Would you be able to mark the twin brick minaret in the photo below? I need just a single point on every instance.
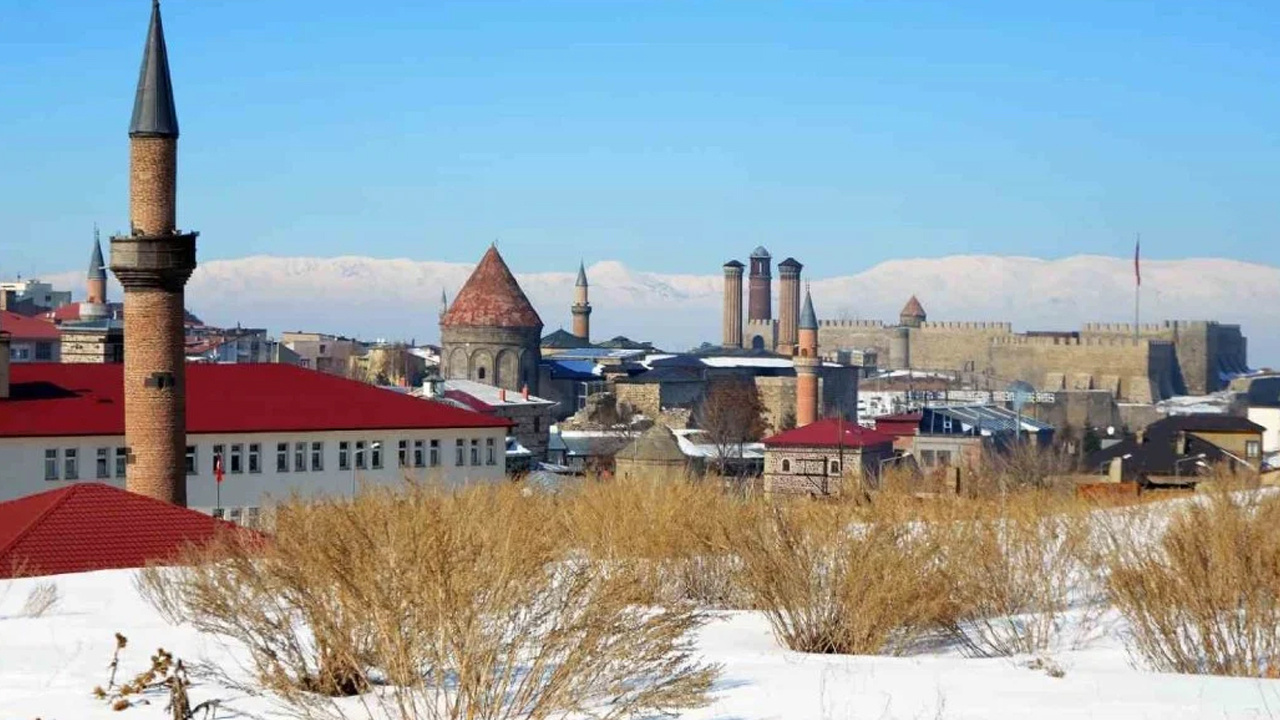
(581, 306)
(807, 363)
(760, 300)
(153, 263)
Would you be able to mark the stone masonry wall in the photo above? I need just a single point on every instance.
(645, 398)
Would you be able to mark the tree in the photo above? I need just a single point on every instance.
(731, 415)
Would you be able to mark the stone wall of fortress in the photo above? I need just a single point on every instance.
(1206, 350)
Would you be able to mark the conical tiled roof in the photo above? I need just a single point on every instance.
(97, 268)
(913, 308)
(154, 114)
(491, 297)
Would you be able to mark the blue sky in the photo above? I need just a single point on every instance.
(668, 135)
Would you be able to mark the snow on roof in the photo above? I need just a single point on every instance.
(489, 395)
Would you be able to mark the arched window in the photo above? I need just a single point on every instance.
(835, 467)
(480, 373)
(786, 466)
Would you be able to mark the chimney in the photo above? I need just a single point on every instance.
(524, 392)
(4, 364)
(502, 394)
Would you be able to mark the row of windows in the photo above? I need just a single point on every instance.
(43, 351)
(64, 464)
(834, 466)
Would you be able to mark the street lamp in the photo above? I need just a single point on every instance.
(1177, 464)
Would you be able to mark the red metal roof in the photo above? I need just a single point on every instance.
(899, 425)
(827, 433)
(91, 526)
(22, 327)
(56, 399)
(70, 311)
(491, 297)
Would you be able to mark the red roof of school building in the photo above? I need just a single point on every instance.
(73, 399)
(92, 526)
(829, 433)
(21, 327)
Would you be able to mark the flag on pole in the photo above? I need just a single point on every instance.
(217, 468)
(1137, 272)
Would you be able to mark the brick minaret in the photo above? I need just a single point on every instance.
(760, 286)
(807, 363)
(788, 304)
(153, 263)
(732, 304)
(581, 306)
(94, 306)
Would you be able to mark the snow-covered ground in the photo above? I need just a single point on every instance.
(49, 666)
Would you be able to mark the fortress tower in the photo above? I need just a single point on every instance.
(732, 304)
(912, 314)
(807, 364)
(94, 306)
(153, 263)
(760, 286)
(581, 306)
(788, 304)
(491, 333)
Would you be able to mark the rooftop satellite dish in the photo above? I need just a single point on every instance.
(1111, 430)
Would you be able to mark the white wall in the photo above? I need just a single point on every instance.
(22, 464)
(1268, 418)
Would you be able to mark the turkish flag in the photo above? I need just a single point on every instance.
(217, 468)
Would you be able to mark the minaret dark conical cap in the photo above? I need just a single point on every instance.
(808, 318)
(97, 268)
(582, 275)
(154, 114)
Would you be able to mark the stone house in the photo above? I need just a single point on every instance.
(827, 457)
(654, 454)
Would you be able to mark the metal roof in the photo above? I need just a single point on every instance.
(582, 275)
(97, 268)
(154, 114)
(760, 252)
(808, 318)
(987, 419)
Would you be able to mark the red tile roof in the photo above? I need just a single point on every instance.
(491, 297)
(22, 327)
(55, 399)
(91, 526)
(827, 433)
(70, 311)
(913, 308)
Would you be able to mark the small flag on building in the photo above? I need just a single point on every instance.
(217, 468)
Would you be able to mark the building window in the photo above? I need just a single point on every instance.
(418, 455)
(835, 467)
(282, 457)
(460, 458)
(344, 455)
(361, 464)
(50, 464)
(317, 456)
(786, 466)
(435, 453)
(475, 451)
(71, 464)
(375, 449)
(927, 458)
(192, 465)
(300, 457)
(491, 456)
(480, 373)
(219, 513)
(122, 461)
(235, 515)
(403, 453)
(44, 351)
(1252, 449)
(104, 463)
(255, 458)
(251, 516)
(944, 457)
(237, 459)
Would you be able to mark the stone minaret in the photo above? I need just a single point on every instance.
(788, 304)
(807, 363)
(760, 286)
(153, 263)
(94, 306)
(732, 304)
(581, 306)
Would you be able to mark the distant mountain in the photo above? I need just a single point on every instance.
(372, 298)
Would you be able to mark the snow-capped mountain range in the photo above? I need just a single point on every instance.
(400, 298)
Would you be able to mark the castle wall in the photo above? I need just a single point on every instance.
(1135, 370)
(1204, 349)
(963, 346)
(834, 335)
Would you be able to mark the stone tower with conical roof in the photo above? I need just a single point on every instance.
(581, 308)
(94, 306)
(153, 262)
(807, 364)
(912, 314)
(491, 333)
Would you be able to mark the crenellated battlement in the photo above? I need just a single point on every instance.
(1124, 328)
(1070, 341)
(851, 323)
(964, 325)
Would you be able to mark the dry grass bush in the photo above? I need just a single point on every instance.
(676, 533)
(42, 598)
(1023, 466)
(832, 579)
(1205, 597)
(1015, 568)
(437, 604)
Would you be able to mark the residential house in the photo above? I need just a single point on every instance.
(1179, 449)
(828, 457)
(30, 339)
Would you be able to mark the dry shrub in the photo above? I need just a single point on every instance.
(1205, 597)
(675, 532)
(436, 604)
(1015, 568)
(42, 598)
(831, 582)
